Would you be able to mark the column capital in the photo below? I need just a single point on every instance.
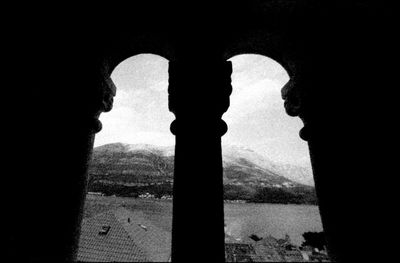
(199, 93)
(101, 101)
(294, 95)
(218, 125)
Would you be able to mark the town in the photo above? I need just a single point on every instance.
(271, 249)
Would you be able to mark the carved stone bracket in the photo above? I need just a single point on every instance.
(103, 98)
(294, 95)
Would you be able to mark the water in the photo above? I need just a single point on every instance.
(241, 219)
(272, 219)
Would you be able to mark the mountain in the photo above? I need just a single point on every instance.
(299, 174)
(140, 170)
(244, 166)
(136, 163)
(132, 163)
(293, 172)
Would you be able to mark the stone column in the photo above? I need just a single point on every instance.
(198, 96)
(304, 100)
(101, 91)
(49, 183)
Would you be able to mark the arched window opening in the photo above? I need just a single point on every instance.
(128, 209)
(269, 194)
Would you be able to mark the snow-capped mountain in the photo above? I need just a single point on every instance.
(241, 165)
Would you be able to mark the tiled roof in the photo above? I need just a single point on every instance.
(241, 252)
(151, 239)
(133, 241)
(230, 239)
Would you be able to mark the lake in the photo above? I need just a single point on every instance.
(241, 219)
(272, 219)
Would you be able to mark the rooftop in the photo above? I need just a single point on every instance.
(122, 235)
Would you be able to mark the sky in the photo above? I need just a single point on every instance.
(256, 118)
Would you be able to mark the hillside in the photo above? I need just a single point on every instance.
(141, 168)
(296, 173)
(139, 163)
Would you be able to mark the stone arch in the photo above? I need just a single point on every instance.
(106, 89)
(275, 47)
(138, 59)
(289, 90)
(126, 44)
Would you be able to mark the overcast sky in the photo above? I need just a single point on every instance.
(256, 117)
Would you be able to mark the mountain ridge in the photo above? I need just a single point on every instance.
(235, 159)
(146, 170)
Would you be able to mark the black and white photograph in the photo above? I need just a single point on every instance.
(219, 131)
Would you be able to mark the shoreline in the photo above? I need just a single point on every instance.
(170, 200)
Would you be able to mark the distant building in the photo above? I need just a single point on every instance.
(271, 249)
(166, 197)
(240, 252)
(288, 184)
(122, 235)
(146, 195)
(268, 249)
(96, 193)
